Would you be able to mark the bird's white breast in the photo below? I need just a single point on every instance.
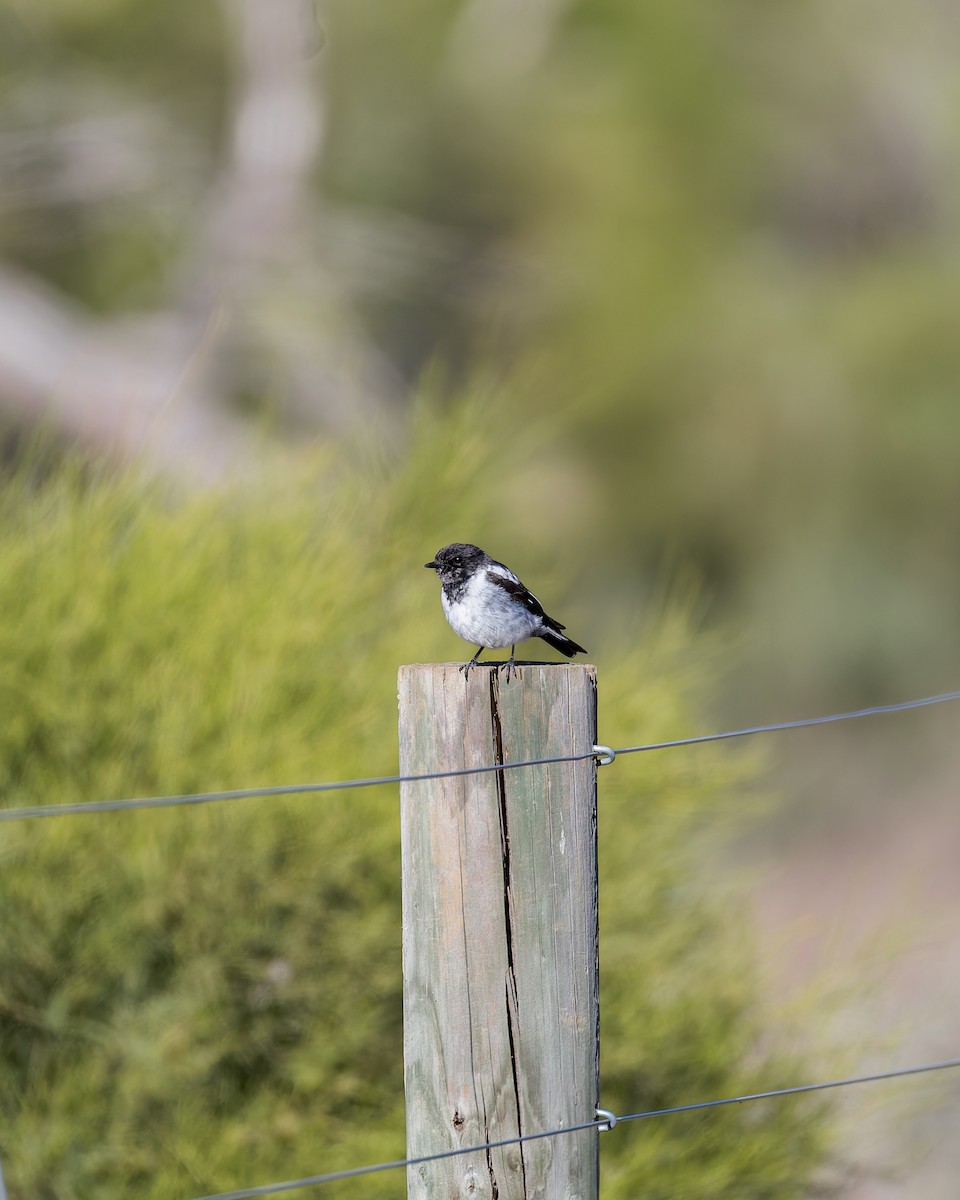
(488, 616)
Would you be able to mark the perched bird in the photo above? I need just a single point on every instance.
(487, 604)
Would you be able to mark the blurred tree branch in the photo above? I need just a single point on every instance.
(123, 385)
(250, 308)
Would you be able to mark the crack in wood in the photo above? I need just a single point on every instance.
(512, 1006)
(494, 1187)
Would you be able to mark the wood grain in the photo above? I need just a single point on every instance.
(501, 1009)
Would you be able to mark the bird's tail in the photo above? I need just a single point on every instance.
(560, 641)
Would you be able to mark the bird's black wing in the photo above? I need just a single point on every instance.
(513, 587)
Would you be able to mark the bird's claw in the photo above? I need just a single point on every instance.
(511, 665)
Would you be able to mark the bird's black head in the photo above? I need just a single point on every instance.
(459, 560)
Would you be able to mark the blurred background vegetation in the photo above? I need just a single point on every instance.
(712, 252)
(680, 283)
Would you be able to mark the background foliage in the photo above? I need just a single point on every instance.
(209, 997)
(716, 246)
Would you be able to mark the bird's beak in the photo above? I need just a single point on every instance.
(430, 566)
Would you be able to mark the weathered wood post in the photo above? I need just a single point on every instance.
(500, 985)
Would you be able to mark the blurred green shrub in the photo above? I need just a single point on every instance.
(209, 997)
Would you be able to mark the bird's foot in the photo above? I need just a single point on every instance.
(472, 663)
(511, 665)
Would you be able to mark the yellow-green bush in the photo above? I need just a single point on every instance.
(200, 998)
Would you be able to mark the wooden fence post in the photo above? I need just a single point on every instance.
(500, 985)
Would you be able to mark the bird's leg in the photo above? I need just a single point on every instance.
(472, 663)
(511, 665)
